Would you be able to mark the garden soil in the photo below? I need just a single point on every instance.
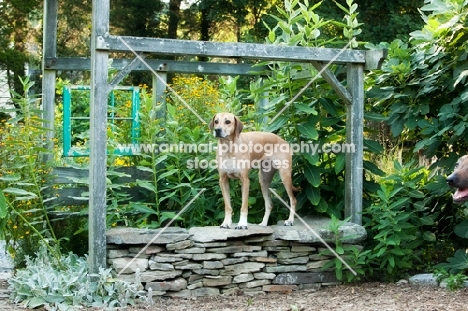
(365, 296)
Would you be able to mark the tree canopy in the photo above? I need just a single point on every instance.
(225, 20)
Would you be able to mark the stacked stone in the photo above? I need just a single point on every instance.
(211, 261)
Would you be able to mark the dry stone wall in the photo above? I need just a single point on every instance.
(205, 261)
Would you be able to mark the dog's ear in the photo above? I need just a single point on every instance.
(211, 125)
(239, 126)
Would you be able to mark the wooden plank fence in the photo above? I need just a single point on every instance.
(70, 185)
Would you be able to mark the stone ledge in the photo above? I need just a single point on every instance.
(124, 235)
(349, 232)
(213, 234)
(207, 261)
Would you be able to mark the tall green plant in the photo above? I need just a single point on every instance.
(353, 255)
(316, 114)
(401, 222)
(177, 175)
(23, 212)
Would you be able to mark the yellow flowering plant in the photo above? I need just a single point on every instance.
(23, 213)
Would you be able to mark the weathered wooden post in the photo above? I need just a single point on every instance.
(48, 75)
(159, 91)
(98, 137)
(354, 137)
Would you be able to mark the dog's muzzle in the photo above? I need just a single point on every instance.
(461, 194)
(218, 132)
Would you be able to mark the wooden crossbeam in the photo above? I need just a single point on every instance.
(270, 52)
(178, 66)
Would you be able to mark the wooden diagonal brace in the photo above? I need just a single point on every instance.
(125, 71)
(328, 76)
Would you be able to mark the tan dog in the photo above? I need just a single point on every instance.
(459, 180)
(238, 152)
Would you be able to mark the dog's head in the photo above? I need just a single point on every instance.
(226, 125)
(459, 180)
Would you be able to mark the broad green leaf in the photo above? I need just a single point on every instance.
(277, 123)
(313, 194)
(308, 131)
(10, 178)
(3, 205)
(36, 302)
(429, 236)
(160, 159)
(399, 203)
(170, 215)
(411, 122)
(416, 194)
(143, 208)
(21, 192)
(340, 163)
(329, 106)
(312, 173)
(374, 169)
(313, 159)
(397, 126)
(375, 117)
(165, 174)
(271, 36)
(117, 174)
(373, 146)
(462, 229)
(322, 207)
(305, 108)
(145, 168)
(339, 250)
(145, 184)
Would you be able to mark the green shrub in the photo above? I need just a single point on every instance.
(453, 281)
(23, 212)
(354, 256)
(311, 111)
(401, 222)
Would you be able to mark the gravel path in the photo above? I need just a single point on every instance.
(359, 297)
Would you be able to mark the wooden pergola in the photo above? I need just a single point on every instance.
(103, 43)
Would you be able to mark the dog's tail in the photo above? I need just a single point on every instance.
(296, 189)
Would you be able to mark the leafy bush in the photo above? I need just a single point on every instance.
(453, 281)
(401, 222)
(455, 264)
(458, 263)
(317, 115)
(354, 256)
(23, 213)
(422, 90)
(63, 283)
(422, 86)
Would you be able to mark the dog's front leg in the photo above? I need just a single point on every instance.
(224, 184)
(245, 202)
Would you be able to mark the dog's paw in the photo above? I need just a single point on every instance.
(288, 223)
(242, 227)
(224, 226)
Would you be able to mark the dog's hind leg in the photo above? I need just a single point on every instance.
(265, 178)
(286, 178)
